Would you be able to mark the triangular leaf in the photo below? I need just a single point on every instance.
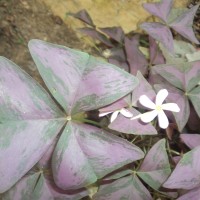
(27, 125)
(79, 82)
(184, 77)
(96, 153)
(128, 188)
(155, 168)
(159, 32)
(194, 97)
(159, 9)
(136, 127)
(36, 186)
(96, 35)
(156, 56)
(183, 24)
(187, 172)
(142, 88)
(115, 33)
(84, 16)
(136, 59)
(191, 140)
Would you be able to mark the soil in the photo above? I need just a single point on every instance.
(23, 20)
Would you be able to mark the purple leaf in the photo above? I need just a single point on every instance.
(136, 59)
(155, 168)
(136, 127)
(192, 194)
(181, 51)
(35, 186)
(85, 153)
(79, 82)
(160, 9)
(183, 24)
(96, 35)
(184, 77)
(159, 32)
(118, 54)
(194, 97)
(142, 88)
(119, 104)
(120, 64)
(45, 161)
(84, 16)
(116, 33)
(156, 56)
(187, 172)
(128, 188)
(118, 174)
(193, 122)
(191, 140)
(178, 97)
(27, 125)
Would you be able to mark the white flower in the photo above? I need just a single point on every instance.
(157, 109)
(123, 111)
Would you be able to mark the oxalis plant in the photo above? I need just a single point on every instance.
(142, 144)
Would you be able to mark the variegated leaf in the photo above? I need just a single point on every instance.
(187, 172)
(160, 9)
(37, 187)
(29, 122)
(85, 153)
(136, 127)
(155, 168)
(79, 82)
(128, 188)
(159, 32)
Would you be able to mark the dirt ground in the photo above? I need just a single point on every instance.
(23, 20)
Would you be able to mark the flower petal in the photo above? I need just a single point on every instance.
(171, 107)
(126, 113)
(149, 116)
(161, 96)
(114, 116)
(162, 120)
(104, 113)
(145, 101)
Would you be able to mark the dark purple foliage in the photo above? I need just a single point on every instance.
(61, 149)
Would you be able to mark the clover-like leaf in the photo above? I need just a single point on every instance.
(135, 57)
(27, 123)
(191, 140)
(159, 32)
(79, 82)
(182, 51)
(136, 127)
(129, 188)
(187, 172)
(181, 20)
(155, 168)
(184, 77)
(160, 9)
(184, 22)
(116, 33)
(85, 153)
(36, 186)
